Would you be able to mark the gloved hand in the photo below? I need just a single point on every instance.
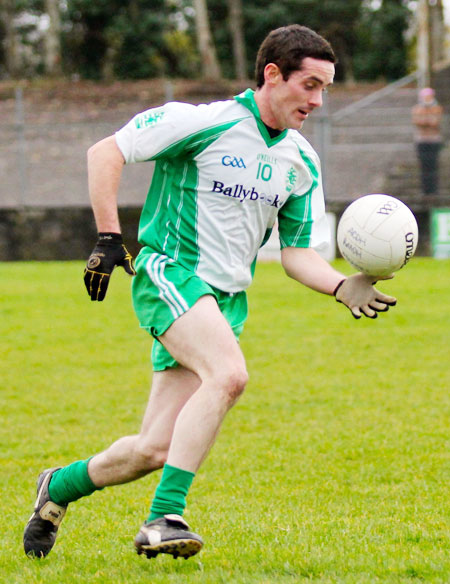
(108, 253)
(359, 295)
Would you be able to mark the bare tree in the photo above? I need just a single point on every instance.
(437, 25)
(430, 38)
(52, 39)
(208, 55)
(10, 40)
(235, 22)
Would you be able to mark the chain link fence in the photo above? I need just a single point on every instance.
(363, 138)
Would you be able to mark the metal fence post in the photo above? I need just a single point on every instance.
(168, 90)
(322, 138)
(21, 146)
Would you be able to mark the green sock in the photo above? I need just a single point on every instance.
(71, 483)
(170, 495)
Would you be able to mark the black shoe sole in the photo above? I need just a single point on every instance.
(178, 548)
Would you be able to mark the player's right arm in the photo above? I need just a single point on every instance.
(105, 164)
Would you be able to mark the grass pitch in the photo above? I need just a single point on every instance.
(333, 467)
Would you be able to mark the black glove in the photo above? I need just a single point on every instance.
(108, 253)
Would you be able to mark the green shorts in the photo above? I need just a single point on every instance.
(163, 290)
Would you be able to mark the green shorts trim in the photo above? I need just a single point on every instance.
(163, 290)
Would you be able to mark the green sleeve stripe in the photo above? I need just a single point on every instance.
(306, 228)
(299, 208)
(195, 143)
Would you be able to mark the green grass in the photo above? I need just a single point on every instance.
(333, 467)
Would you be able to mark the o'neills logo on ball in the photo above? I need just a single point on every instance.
(409, 241)
(388, 207)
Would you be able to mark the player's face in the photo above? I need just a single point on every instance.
(293, 100)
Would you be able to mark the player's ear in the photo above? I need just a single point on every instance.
(272, 74)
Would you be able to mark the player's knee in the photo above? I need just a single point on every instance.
(149, 456)
(234, 382)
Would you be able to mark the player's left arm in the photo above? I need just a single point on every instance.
(356, 291)
(298, 237)
(306, 266)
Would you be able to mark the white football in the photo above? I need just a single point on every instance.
(377, 234)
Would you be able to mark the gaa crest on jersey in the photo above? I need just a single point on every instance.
(291, 178)
(233, 161)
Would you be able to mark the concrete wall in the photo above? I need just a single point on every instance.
(70, 234)
(56, 233)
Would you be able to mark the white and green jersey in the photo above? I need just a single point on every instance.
(220, 182)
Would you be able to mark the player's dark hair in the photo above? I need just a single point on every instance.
(287, 47)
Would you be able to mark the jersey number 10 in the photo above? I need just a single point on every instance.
(264, 171)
